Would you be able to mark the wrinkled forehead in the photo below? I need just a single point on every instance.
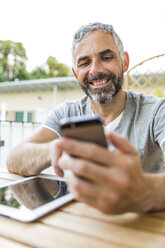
(93, 43)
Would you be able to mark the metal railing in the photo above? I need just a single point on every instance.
(13, 133)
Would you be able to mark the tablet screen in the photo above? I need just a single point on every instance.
(32, 193)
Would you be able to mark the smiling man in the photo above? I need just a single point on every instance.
(128, 176)
(98, 57)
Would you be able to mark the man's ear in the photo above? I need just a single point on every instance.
(126, 61)
(74, 73)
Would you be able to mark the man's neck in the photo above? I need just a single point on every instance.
(112, 110)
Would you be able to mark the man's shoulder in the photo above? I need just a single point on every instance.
(79, 106)
(143, 99)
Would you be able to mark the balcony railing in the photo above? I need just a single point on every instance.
(12, 133)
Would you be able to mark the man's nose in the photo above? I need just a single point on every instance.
(95, 68)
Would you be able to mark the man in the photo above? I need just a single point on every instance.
(124, 177)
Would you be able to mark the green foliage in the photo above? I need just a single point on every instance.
(38, 72)
(12, 58)
(13, 67)
(158, 93)
(2, 74)
(56, 69)
(21, 74)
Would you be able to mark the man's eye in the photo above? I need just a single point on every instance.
(108, 58)
(83, 64)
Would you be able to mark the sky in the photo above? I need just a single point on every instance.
(46, 27)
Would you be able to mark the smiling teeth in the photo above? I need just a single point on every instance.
(99, 83)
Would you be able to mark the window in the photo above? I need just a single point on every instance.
(23, 116)
(19, 116)
(29, 117)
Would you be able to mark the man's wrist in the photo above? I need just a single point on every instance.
(154, 194)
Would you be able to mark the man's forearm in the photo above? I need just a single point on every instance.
(29, 159)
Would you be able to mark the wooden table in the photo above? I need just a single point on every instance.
(78, 225)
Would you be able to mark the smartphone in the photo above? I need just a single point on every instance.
(85, 128)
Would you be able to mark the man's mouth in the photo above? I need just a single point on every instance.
(99, 83)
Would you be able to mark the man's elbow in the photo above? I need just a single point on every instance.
(10, 163)
(15, 166)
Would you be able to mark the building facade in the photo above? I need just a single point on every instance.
(31, 100)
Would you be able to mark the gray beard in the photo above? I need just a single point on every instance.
(106, 94)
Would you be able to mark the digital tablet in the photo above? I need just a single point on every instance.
(33, 197)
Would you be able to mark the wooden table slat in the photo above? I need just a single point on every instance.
(39, 235)
(4, 181)
(7, 243)
(106, 231)
(150, 222)
(10, 176)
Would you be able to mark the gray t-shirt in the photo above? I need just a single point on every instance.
(142, 122)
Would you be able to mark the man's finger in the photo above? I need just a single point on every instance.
(56, 154)
(87, 150)
(101, 175)
(91, 193)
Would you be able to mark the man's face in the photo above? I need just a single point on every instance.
(98, 66)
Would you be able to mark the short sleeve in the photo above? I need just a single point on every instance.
(77, 107)
(159, 124)
(52, 121)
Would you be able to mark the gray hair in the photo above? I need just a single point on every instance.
(106, 28)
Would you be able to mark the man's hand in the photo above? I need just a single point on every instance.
(56, 153)
(113, 182)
